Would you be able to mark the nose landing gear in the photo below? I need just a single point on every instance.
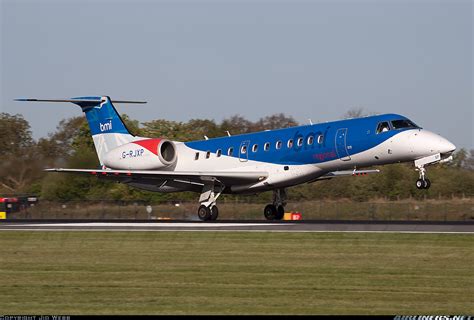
(423, 182)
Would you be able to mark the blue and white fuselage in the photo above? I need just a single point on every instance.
(255, 162)
(301, 154)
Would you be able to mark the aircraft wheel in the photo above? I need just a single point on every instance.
(204, 213)
(420, 184)
(214, 213)
(280, 213)
(270, 212)
(427, 184)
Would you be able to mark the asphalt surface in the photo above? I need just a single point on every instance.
(243, 226)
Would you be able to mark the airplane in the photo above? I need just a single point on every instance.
(270, 160)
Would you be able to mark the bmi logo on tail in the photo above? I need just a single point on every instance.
(106, 126)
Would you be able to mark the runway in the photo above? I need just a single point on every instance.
(241, 226)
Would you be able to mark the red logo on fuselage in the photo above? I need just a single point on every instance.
(324, 156)
(149, 144)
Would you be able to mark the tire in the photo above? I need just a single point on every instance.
(214, 213)
(427, 184)
(280, 213)
(420, 184)
(204, 213)
(270, 212)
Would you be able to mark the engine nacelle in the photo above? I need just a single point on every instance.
(148, 154)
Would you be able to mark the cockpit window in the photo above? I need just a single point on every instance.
(383, 127)
(402, 124)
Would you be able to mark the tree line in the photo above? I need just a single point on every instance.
(71, 146)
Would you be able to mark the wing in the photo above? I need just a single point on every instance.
(226, 177)
(346, 173)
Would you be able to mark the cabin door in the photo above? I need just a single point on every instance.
(341, 147)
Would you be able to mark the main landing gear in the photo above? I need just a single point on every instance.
(208, 209)
(208, 213)
(276, 210)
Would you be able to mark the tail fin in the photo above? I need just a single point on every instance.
(107, 127)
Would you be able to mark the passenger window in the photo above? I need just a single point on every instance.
(208, 154)
(290, 144)
(382, 127)
(196, 156)
(278, 144)
(300, 142)
(230, 151)
(266, 146)
(255, 148)
(310, 140)
(320, 138)
(243, 150)
(218, 153)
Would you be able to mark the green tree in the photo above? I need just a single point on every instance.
(15, 133)
(196, 129)
(460, 159)
(357, 112)
(469, 163)
(161, 128)
(20, 165)
(58, 145)
(236, 125)
(276, 121)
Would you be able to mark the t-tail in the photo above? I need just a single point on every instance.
(107, 127)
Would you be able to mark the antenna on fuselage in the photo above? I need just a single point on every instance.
(228, 133)
(205, 137)
(310, 122)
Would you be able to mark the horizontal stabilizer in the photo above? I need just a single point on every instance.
(79, 100)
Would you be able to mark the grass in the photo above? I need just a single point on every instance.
(235, 273)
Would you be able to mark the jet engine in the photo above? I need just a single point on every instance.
(147, 154)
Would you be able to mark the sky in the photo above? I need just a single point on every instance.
(215, 59)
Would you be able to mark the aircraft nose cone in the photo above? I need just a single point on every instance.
(436, 143)
(447, 146)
